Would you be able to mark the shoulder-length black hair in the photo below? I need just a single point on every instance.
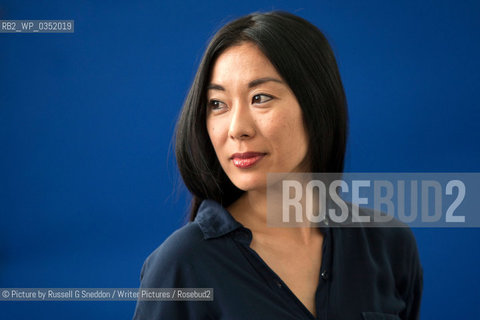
(302, 56)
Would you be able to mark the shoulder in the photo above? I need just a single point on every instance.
(388, 238)
(183, 258)
(392, 236)
(388, 243)
(172, 261)
(180, 243)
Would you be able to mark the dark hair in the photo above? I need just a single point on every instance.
(302, 56)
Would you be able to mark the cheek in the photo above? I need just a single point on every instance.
(212, 131)
(287, 135)
(280, 129)
(215, 132)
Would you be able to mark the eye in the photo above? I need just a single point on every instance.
(216, 104)
(261, 98)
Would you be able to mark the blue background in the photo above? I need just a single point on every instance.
(88, 181)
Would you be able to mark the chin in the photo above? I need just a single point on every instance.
(250, 183)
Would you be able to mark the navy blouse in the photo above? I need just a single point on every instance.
(366, 273)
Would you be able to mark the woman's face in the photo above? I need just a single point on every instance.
(253, 118)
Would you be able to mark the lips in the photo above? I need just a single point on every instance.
(247, 159)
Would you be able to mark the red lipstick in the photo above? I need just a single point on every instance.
(247, 159)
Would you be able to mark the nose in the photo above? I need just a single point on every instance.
(242, 124)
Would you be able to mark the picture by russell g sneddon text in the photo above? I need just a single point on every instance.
(106, 294)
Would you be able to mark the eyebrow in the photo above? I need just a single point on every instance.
(251, 84)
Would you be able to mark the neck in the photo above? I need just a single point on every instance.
(251, 211)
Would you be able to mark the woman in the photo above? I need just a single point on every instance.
(268, 97)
